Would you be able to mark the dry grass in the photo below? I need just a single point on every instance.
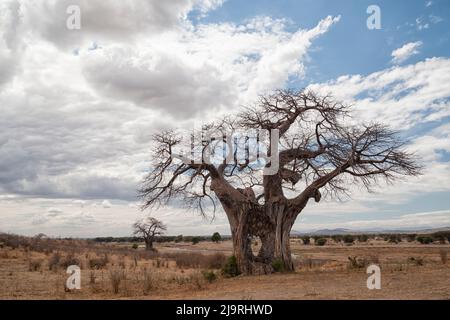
(182, 270)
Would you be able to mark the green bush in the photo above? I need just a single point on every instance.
(230, 269)
(278, 265)
(348, 238)
(337, 238)
(209, 276)
(195, 240)
(321, 242)
(441, 236)
(394, 238)
(216, 237)
(135, 246)
(363, 238)
(305, 240)
(411, 237)
(425, 239)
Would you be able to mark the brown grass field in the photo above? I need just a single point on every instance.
(409, 270)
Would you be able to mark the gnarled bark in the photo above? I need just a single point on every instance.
(272, 224)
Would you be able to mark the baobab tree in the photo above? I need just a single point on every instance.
(318, 154)
(148, 228)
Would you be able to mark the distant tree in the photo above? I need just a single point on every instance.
(348, 238)
(216, 237)
(179, 238)
(195, 240)
(305, 240)
(425, 239)
(320, 242)
(148, 228)
(411, 237)
(363, 238)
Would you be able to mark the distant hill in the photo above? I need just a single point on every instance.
(340, 231)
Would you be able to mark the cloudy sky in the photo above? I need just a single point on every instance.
(78, 106)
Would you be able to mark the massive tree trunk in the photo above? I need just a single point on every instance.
(272, 224)
(148, 244)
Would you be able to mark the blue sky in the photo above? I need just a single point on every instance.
(79, 105)
(351, 48)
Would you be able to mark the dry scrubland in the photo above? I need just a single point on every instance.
(32, 268)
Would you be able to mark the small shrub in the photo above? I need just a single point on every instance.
(363, 238)
(411, 237)
(195, 240)
(230, 269)
(348, 238)
(34, 265)
(306, 240)
(70, 260)
(149, 283)
(337, 238)
(116, 276)
(416, 261)
(53, 261)
(357, 263)
(394, 238)
(135, 246)
(321, 242)
(216, 261)
(198, 260)
(98, 263)
(209, 276)
(92, 277)
(197, 280)
(441, 236)
(278, 265)
(425, 239)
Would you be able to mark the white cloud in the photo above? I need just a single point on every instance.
(405, 52)
(401, 96)
(421, 24)
(106, 204)
(435, 19)
(78, 126)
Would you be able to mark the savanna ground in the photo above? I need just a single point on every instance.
(33, 268)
